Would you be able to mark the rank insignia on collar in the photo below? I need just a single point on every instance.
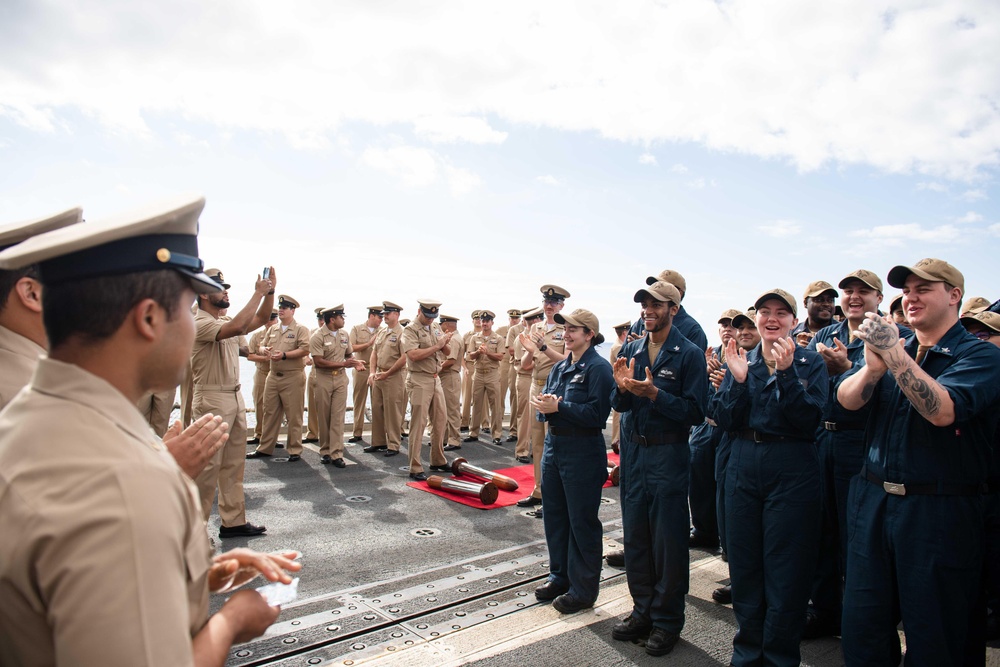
(802, 360)
(946, 350)
(677, 348)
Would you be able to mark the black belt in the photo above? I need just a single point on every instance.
(926, 489)
(757, 436)
(664, 438)
(574, 431)
(844, 426)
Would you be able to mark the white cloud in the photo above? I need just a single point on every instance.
(679, 169)
(418, 168)
(974, 195)
(648, 159)
(994, 229)
(781, 229)
(452, 129)
(811, 83)
(898, 235)
(932, 186)
(549, 179)
(970, 216)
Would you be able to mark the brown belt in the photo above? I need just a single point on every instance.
(217, 387)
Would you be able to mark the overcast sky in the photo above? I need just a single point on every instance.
(470, 152)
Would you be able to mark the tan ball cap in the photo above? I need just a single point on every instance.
(580, 318)
(869, 278)
(748, 316)
(672, 277)
(729, 315)
(986, 318)
(780, 295)
(659, 290)
(976, 304)
(817, 287)
(934, 270)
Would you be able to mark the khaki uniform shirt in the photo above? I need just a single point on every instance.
(18, 358)
(332, 346)
(104, 557)
(294, 337)
(554, 339)
(495, 343)
(512, 335)
(518, 355)
(387, 343)
(415, 336)
(456, 350)
(256, 340)
(214, 362)
(359, 336)
(614, 352)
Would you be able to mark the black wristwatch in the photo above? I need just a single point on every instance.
(543, 347)
(283, 356)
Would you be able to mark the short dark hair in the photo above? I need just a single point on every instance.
(328, 316)
(8, 279)
(95, 308)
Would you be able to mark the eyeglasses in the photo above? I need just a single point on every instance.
(985, 335)
(826, 300)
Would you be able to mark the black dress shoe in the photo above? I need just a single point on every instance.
(325, 459)
(471, 438)
(530, 501)
(246, 530)
(309, 440)
(339, 463)
(486, 431)
(567, 604)
(524, 459)
(549, 591)
(464, 429)
(391, 452)
(511, 438)
(723, 595)
(820, 625)
(419, 476)
(374, 448)
(661, 642)
(405, 435)
(631, 628)
(444, 468)
(538, 513)
(702, 541)
(616, 558)
(451, 448)
(292, 458)
(253, 441)
(496, 441)
(258, 455)
(354, 438)
(279, 445)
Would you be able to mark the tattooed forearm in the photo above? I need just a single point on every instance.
(920, 393)
(880, 334)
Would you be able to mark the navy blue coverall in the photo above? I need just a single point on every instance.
(654, 475)
(574, 470)
(772, 502)
(919, 555)
(703, 443)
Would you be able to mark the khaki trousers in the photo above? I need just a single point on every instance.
(283, 398)
(426, 403)
(259, 378)
(360, 397)
(331, 406)
(156, 409)
(187, 397)
(616, 417)
(513, 387)
(225, 470)
(388, 406)
(467, 376)
(524, 415)
(312, 420)
(486, 396)
(451, 384)
(537, 437)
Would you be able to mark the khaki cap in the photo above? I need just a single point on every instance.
(816, 288)
(728, 314)
(404, 323)
(935, 270)
(274, 313)
(623, 325)
(390, 306)
(580, 318)
(533, 314)
(661, 291)
(429, 308)
(447, 318)
(335, 310)
(285, 301)
(475, 314)
(487, 315)
(158, 237)
(896, 303)
(672, 277)
(749, 316)
(319, 311)
(782, 295)
(986, 318)
(375, 310)
(513, 312)
(16, 232)
(869, 278)
(216, 275)
(554, 292)
(976, 304)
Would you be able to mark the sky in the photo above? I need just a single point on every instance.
(471, 152)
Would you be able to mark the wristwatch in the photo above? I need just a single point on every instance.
(543, 347)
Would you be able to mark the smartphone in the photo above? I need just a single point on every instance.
(267, 272)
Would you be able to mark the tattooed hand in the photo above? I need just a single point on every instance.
(879, 333)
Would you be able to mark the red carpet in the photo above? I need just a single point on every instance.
(523, 475)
